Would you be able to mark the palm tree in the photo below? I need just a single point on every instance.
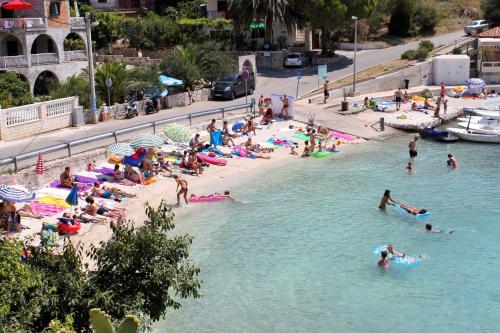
(268, 11)
(118, 73)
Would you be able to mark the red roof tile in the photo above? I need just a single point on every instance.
(492, 33)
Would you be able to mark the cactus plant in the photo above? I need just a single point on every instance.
(101, 323)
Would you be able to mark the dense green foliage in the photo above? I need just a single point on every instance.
(491, 10)
(424, 48)
(151, 32)
(109, 29)
(14, 90)
(425, 18)
(409, 54)
(180, 68)
(142, 270)
(74, 86)
(401, 22)
(426, 44)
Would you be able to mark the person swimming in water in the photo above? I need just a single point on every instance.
(384, 261)
(386, 200)
(412, 210)
(409, 168)
(451, 162)
(391, 250)
(429, 228)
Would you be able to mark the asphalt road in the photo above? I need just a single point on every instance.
(283, 81)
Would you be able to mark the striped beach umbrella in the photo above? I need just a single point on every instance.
(121, 149)
(40, 165)
(16, 193)
(146, 140)
(177, 133)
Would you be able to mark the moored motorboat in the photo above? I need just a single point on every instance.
(437, 134)
(473, 135)
(468, 111)
(480, 127)
(480, 120)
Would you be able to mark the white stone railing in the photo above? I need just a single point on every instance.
(23, 23)
(13, 61)
(25, 114)
(75, 55)
(21, 115)
(44, 58)
(59, 107)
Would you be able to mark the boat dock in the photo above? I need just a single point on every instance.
(373, 125)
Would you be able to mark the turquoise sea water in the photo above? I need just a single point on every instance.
(297, 256)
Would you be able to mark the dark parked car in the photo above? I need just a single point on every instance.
(232, 85)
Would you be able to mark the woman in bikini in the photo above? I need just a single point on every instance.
(119, 178)
(133, 175)
(412, 210)
(182, 183)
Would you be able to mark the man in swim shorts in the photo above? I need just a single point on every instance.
(325, 91)
(398, 96)
(412, 146)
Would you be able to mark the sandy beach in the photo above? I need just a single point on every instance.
(214, 179)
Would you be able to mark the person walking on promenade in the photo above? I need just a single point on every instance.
(325, 91)
(442, 90)
(413, 147)
(398, 96)
(182, 183)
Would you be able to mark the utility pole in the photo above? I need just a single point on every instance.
(93, 102)
(355, 18)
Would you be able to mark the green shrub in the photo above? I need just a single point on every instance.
(408, 54)
(427, 44)
(14, 90)
(421, 53)
(181, 68)
(401, 23)
(425, 19)
(456, 50)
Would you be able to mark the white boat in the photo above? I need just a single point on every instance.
(468, 111)
(480, 120)
(489, 114)
(480, 127)
(472, 135)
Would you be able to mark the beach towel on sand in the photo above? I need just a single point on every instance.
(304, 137)
(50, 200)
(105, 171)
(46, 209)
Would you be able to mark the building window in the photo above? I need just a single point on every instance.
(101, 1)
(221, 6)
(55, 8)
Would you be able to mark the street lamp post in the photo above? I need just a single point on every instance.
(355, 18)
(93, 103)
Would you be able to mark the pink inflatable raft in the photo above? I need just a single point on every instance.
(211, 160)
(208, 198)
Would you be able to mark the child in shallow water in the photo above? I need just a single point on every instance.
(409, 167)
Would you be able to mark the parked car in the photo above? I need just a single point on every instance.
(294, 60)
(475, 27)
(232, 85)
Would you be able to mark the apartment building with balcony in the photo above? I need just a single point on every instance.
(32, 43)
(123, 6)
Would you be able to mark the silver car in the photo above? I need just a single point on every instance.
(294, 60)
(475, 27)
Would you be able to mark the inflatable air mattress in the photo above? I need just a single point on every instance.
(207, 198)
(406, 260)
(320, 154)
(211, 160)
(399, 208)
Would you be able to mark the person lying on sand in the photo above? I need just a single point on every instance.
(93, 209)
(133, 176)
(106, 192)
(119, 178)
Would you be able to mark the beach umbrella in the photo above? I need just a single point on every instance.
(170, 81)
(121, 149)
(177, 133)
(72, 198)
(146, 140)
(40, 165)
(16, 193)
(17, 5)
